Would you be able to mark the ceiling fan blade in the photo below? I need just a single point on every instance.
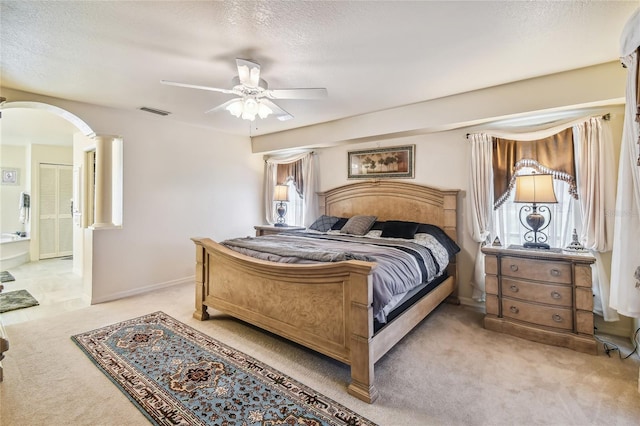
(221, 106)
(193, 86)
(280, 114)
(318, 93)
(248, 72)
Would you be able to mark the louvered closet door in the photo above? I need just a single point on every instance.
(56, 221)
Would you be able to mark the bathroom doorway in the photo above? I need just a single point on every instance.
(55, 225)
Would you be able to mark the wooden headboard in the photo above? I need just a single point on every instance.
(394, 200)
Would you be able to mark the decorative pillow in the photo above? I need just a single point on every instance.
(324, 223)
(373, 233)
(441, 236)
(377, 226)
(399, 229)
(339, 224)
(358, 225)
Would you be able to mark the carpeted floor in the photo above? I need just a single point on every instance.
(17, 299)
(177, 375)
(448, 371)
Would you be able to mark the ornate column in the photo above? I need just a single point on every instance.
(103, 181)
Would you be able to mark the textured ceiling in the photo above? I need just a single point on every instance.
(370, 55)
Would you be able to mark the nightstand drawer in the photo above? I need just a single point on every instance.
(548, 316)
(558, 295)
(538, 270)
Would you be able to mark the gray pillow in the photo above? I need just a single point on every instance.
(323, 223)
(358, 225)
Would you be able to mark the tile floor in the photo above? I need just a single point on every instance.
(52, 283)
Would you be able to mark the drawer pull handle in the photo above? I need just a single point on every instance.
(514, 309)
(555, 273)
(514, 268)
(557, 318)
(556, 295)
(514, 288)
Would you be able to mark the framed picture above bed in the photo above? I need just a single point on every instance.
(391, 162)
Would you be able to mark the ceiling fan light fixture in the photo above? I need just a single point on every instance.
(235, 108)
(250, 109)
(253, 95)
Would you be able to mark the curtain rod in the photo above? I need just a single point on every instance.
(605, 117)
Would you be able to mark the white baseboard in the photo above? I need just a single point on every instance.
(468, 301)
(141, 290)
(614, 328)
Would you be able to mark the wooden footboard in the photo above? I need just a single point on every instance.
(325, 307)
(328, 307)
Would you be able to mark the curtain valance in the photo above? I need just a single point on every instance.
(293, 171)
(302, 168)
(553, 155)
(290, 167)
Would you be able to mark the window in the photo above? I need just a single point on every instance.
(295, 206)
(510, 230)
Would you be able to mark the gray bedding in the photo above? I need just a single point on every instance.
(400, 264)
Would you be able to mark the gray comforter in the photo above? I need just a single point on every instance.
(400, 264)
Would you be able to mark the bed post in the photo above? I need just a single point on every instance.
(450, 227)
(362, 356)
(200, 278)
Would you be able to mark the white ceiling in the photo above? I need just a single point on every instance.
(370, 55)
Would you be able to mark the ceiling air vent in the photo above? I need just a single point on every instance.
(154, 111)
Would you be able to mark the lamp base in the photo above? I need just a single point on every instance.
(536, 245)
(280, 224)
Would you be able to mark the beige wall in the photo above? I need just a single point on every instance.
(179, 182)
(13, 157)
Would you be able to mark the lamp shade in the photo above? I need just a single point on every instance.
(281, 193)
(247, 108)
(535, 188)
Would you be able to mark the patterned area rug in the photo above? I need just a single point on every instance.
(5, 277)
(18, 299)
(177, 375)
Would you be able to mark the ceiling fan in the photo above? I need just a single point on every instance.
(254, 95)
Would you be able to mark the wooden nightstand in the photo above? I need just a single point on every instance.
(540, 295)
(270, 229)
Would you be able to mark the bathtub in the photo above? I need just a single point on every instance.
(14, 251)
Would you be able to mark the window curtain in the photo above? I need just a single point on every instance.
(302, 169)
(596, 186)
(625, 261)
(481, 200)
(567, 214)
(509, 156)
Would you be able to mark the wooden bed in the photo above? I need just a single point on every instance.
(327, 307)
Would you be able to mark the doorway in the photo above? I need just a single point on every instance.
(55, 225)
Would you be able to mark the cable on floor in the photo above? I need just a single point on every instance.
(609, 347)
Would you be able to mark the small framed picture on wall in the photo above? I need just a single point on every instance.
(392, 162)
(9, 176)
